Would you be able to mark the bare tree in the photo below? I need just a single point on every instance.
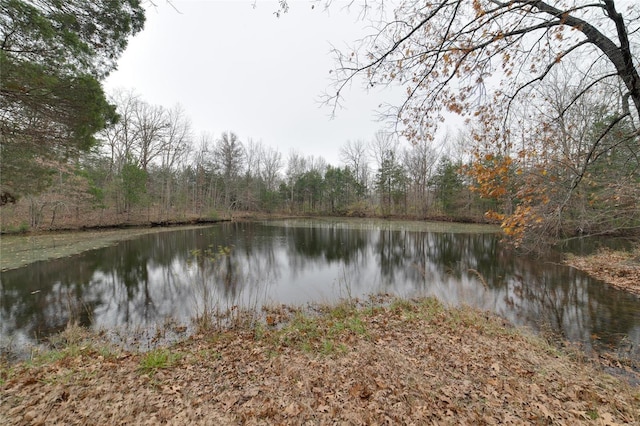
(253, 153)
(144, 132)
(382, 144)
(151, 124)
(251, 181)
(318, 164)
(230, 158)
(271, 167)
(463, 56)
(122, 137)
(203, 190)
(390, 177)
(296, 166)
(178, 137)
(176, 147)
(354, 155)
(419, 161)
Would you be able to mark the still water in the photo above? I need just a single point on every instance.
(176, 275)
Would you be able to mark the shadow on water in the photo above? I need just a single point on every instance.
(178, 275)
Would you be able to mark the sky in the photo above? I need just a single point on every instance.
(235, 66)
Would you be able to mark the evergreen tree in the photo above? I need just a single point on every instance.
(448, 185)
(391, 182)
(53, 55)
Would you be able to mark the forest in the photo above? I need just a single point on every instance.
(150, 165)
(549, 96)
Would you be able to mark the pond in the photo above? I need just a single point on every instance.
(143, 282)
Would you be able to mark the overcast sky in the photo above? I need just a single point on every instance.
(239, 68)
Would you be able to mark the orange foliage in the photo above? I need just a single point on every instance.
(491, 176)
(517, 191)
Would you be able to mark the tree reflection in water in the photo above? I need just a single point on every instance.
(180, 274)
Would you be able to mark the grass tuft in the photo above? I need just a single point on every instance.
(158, 359)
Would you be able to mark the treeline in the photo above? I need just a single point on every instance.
(149, 166)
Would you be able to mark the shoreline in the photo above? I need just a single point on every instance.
(143, 220)
(619, 269)
(402, 361)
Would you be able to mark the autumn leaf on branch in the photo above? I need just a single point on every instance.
(528, 74)
(455, 55)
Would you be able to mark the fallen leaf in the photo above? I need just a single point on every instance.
(251, 393)
(606, 419)
(360, 391)
(545, 411)
(292, 410)
(230, 401)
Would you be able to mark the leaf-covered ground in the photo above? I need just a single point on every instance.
(620, 269)
(403, 362)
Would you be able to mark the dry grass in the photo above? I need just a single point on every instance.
(403, 362)
(620, 269)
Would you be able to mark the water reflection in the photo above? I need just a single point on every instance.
(141, 282)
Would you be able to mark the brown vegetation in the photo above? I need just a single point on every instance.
(50, 219)
(620, 269)
(398, 363)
